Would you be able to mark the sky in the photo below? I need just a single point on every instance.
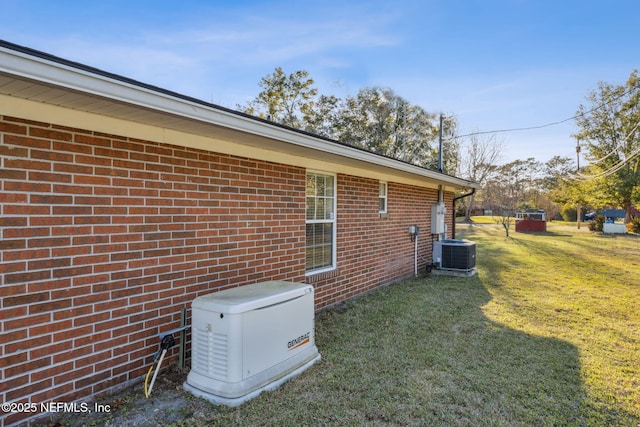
(493, 64)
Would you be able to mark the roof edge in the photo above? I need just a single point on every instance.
(72, 75)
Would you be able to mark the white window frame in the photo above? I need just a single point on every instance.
(331, 220)
(383, 197)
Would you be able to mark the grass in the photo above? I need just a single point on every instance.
(582, 288)
(488, 219)
(423, 353)
(480, 219)
(547, 333)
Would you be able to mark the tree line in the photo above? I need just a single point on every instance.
(375, 119)
(379, 120)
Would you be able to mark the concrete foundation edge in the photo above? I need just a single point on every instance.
(455, 273)
(237, 401)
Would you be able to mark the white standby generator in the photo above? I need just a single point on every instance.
(249, 339)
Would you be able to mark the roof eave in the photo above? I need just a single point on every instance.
(56, 72)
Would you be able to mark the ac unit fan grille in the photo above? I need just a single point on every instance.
(459, 257)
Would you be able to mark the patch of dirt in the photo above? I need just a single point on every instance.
(168, 404)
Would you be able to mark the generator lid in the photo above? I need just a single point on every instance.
(251, 297)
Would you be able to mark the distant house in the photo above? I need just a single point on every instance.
(121, 202)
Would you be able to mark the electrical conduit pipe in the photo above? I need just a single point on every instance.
(166, 343)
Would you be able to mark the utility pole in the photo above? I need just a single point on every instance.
(440, 144)
(579, 210)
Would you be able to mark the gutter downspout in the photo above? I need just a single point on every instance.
(462, 196)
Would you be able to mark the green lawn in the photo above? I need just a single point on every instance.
(547, 333)
(578, 287)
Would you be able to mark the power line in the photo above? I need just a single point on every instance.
(617, 166)
(518, 129)
(546, 125)
(618, 145)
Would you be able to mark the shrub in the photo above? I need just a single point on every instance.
(633, 226)
(597, 223)
(569, 213)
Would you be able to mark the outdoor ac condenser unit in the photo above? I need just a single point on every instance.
(452, 254)
(249, 339)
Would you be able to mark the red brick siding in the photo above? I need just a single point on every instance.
(104, 239)
(375, 249)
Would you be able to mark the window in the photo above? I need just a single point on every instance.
(382, 197)
(320, 222)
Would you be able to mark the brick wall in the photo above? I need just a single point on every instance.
(375, 249)
(104, 239)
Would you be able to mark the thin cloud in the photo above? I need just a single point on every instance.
(254, 40)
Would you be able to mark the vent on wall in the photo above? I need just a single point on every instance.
(457, 255)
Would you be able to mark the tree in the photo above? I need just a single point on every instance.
(516, 185)
(503, 202)
(558, 183)
(451, 150)
(479, 163)
(609, 129)
(376, 119)
(521, 180)
(323, 115)
(379, 120)
(284, 99)
(558, 170)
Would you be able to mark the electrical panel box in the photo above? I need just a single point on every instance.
(249, 339)
(438, 212)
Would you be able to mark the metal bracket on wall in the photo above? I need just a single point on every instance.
(183, 335)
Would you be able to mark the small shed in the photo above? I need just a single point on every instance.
(531, 220)
(614, 221)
